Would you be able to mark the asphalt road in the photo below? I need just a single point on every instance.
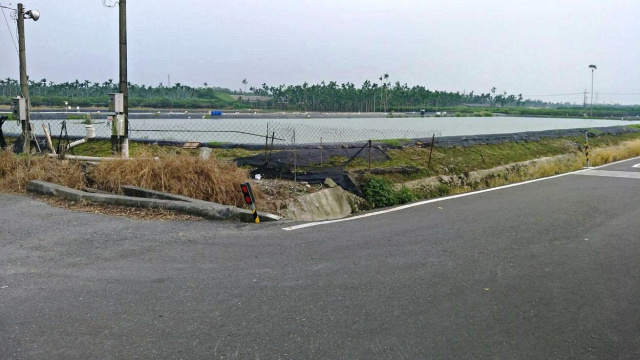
(545, 270)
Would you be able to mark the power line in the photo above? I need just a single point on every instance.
(9, 28)
(579, 93)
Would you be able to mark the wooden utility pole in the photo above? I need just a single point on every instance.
(124, 88)
(24, 83)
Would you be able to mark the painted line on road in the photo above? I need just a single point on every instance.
(608, 173)
(425, 202)
(636, 166)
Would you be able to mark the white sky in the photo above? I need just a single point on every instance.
(533, 47)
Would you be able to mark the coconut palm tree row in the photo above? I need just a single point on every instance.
(374, 97)
(371, 96)
(88, 89)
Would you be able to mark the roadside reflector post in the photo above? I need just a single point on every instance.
(248, 198)
(586, 145)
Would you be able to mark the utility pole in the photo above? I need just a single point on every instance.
(24, 83)
(584, 103)
(124, 87)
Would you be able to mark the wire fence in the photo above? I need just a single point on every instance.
(222, 132)
(301, 152)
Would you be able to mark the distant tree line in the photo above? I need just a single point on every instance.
(371, 96)
(86, 93)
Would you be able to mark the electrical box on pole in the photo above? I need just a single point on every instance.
(116, 103)
(117, 117)
(19, 108)
(120, 128)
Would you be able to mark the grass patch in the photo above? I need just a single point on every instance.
(379, 192)
(76, 117)
(621, 151)
(218, 143)
(393, 142)
(102, 148)
(205, 179)
(210, 180)
(17, 170)
(451, 170)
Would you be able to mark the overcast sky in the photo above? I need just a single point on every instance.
(540, 47)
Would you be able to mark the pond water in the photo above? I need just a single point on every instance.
(316, 130)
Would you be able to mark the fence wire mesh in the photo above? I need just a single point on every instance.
(292, 149)
(223, 132)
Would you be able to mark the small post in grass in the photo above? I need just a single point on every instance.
(266, 145)
(586, 145)
(369, 155)
(321, 151)
(433, 140)
(248, 198)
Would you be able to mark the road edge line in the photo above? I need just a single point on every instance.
(430, 201)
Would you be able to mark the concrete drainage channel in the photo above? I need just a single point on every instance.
(150, 199)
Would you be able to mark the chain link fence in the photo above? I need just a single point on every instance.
(292, 150)
(214, 132)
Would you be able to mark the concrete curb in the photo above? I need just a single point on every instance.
(185, 205)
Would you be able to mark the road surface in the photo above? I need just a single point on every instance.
(545, 270)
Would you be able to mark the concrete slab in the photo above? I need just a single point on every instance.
(204, 209)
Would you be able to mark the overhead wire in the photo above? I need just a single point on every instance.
(620, 94)
(580, 93)
(9, 28)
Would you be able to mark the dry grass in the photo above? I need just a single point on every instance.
(17, 171)
(218, 180)
(540, 169)
(210, 180)
(625, 150)
(205, 179)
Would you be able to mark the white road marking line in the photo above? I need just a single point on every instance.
(607, 173)
(636, 166)
(402, 207)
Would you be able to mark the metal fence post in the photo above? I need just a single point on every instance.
(369, 155)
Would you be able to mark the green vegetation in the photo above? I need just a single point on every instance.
(379, 192)
(76, 116)
(371, 96)
(394, 142)
(462, 160)
(217, 143)
(88, 94)
(450, 171)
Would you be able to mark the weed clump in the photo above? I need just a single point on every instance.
(379, 192)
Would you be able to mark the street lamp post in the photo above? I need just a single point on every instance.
(593, 68)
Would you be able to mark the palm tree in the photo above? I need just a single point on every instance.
(493, 91)
(244, 82)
